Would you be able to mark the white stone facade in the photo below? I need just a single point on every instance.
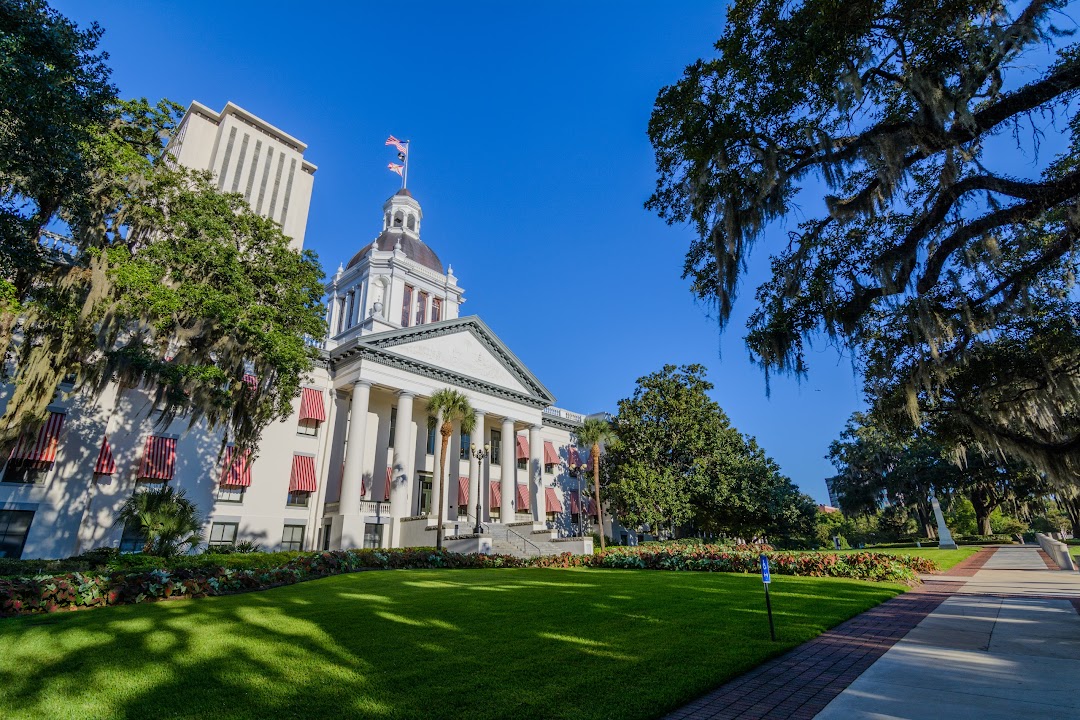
(396, 337)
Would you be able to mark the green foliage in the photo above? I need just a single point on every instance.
(960, 517)
(168, 520)
(944, 272)
(173, 285)
(452, 406)
(678, 464)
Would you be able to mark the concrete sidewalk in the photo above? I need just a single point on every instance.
(1005, 645)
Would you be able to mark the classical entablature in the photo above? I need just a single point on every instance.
(462, 352)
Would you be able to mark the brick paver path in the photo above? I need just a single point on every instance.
(799, 684)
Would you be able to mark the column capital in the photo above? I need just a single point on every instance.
(361, 383)
(406, 394)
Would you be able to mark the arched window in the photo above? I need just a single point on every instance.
(386, 225)
(412, 222)
(398, 219)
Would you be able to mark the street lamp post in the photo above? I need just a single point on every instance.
(480, 454)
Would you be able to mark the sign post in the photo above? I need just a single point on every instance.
(766, 578)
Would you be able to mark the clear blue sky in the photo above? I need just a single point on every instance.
(530, 159)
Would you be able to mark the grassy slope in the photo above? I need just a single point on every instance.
(466, 643)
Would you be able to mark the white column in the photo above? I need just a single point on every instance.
(508, 470)
(476, 485)
(352, 531)
(404, 455)
(536, 475)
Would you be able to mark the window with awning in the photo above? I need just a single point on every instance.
(550, 456)
(39, 453)
(522, 447)
(105, 464)
(236, 470)
(463, 490)
(575, 504)
(389, 482)
(552, 498)
(522, 497)
(496, 496)
(159, 459)
(312, 405)
(302, 478)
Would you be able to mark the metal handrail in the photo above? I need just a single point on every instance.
(524, 540)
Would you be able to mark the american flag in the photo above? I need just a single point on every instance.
(401, 147)
(394, 167)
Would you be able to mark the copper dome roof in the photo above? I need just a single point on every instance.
(414, 249)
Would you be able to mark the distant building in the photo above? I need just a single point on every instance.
(356, 463)
(249, 156)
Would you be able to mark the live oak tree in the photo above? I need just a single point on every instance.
(168, 284)
(880, 127)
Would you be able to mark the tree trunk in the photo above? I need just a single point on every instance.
(1071, 507)
(928, 527)
(447, 430)
(596, 492)
(983, 505)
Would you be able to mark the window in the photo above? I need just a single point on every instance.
(230, 493)
(393, 426)
(523, 463)
(341, 315)
(549, 468)
(431, 436)
(222, 534)
(425, 494)
(308, 427)
(466, 442)
(292, 537)
(412, 222)
(436, 309)
(326, 536)
(373, 535)
(14, 527)
(421, 308)
(298, 498)
(352, 309)
(496, 447)
(406, 306)
(28, 472)
(132, 540)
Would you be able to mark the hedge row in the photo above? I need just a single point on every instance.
(76, 590)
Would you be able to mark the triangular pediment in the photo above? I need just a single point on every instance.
(462, 346)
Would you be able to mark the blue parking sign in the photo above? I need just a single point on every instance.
(765, 578)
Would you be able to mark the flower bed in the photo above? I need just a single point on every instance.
(194, 577)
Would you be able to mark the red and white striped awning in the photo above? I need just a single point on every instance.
(496, 496)
(312, 406)
(522, 447)
(159, 459)
(590, 506)
(42, 451)
(523, 497)
(105, 464)
(462, 490)
(550, 456)
(236, 470)
(572, 457)
(303, 474)
(389, 481)
(553, 504)
(252, 382)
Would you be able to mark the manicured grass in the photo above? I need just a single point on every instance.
(529, 643)
(945, 559)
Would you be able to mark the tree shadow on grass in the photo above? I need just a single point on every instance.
(477, 644)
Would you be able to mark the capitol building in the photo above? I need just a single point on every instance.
(356, 464)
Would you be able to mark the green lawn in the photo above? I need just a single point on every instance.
(418, 643)
(945, 559)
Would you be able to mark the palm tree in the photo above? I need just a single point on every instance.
(452, 405)
(166, 517)
(593, 432)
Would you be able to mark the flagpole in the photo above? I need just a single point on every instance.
(405, 177)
